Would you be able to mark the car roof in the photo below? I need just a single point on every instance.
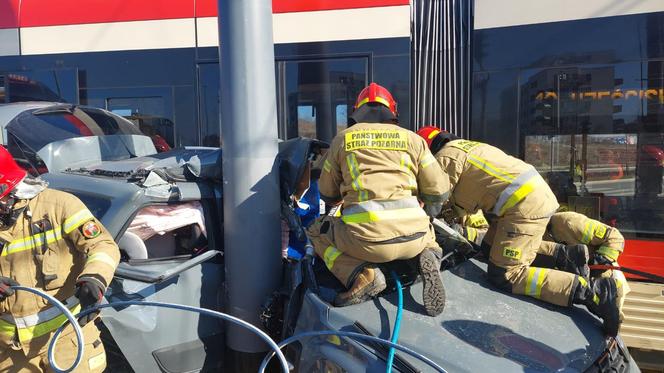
(480, 327)
(120, 197)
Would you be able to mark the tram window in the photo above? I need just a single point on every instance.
(59, 85)
(151, 109)
(342, 117)
(306, 121)
(315, 95)
(146, 113)
(209, 104)
(597, 134)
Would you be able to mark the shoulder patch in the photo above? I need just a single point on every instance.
(90, 229)
(600, 231)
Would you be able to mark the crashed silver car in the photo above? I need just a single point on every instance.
(165, 212)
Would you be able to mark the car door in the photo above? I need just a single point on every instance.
(157, 339)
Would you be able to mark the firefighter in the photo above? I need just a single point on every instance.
(520, 203)
(52, 242)
(603, 245)
(376, 171)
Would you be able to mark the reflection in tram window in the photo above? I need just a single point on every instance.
(597, 134)
(146, 113)
(316, 95)
(55, 85)
(306, 121)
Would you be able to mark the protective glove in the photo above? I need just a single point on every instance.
(5, 287)
(89, 292)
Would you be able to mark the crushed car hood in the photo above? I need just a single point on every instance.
(182, 164)
(480, 327)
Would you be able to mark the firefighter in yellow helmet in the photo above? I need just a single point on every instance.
(568, 230)
(52, 242)
(377, 171)
(513, 192)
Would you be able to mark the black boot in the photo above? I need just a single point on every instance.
(573, 259)
(433, 294)
(601, 298)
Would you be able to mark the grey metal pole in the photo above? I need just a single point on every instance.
(251, 190)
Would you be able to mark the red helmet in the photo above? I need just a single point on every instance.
(428, 133)
(10, 172)
(376, 93)
(655, 153)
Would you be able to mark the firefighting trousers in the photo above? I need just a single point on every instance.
(515, 241)
(346, 255)
(94, 358)
(547, 248)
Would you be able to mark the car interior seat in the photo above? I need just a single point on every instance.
(133, 246)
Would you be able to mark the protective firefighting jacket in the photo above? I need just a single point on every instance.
(379, 171)
(484, 177)
(573, 228)
(55, 241)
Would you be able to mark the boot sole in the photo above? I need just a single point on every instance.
(585, 258)
(612, 322)
(433, 294)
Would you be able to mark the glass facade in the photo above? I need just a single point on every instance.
(587, 111)
(173, 94)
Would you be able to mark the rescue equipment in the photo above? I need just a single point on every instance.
(276, 348)
(647, 275)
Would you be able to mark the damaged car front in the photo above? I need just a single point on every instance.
(163, 210)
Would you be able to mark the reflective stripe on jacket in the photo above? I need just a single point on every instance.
(378, 171)
(36, 325)
(484, 177)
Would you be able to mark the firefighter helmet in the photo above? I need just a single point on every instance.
(378, 94)
(428, 133)
(435, 137)
(10, 172)
(655, 153)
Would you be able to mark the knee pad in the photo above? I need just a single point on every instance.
(498, 277)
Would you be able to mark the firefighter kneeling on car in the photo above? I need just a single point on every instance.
(51, 242)
(574, 238)
(377, 171)
(521, 204)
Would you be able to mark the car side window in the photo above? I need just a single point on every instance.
(164, 231)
